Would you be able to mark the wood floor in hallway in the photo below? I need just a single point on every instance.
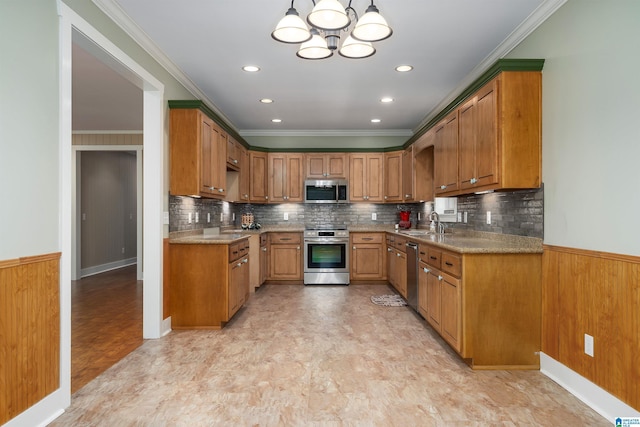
(106, 322)
(316, 356)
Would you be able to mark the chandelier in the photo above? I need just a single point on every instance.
(327, 20)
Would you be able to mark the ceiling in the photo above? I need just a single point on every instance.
(205, 44)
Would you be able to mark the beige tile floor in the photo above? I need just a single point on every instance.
(316, 356)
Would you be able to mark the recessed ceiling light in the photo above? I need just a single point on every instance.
(266, 101)
(276, 120)
(375, 120)
(386, 99)
(251, 68)
(404, 68)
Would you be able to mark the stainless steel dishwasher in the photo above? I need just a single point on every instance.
(412, 275)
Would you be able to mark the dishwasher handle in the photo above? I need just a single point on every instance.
(411, 245)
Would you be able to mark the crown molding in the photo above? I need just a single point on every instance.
(533, 21)
(107, 132)
(114, 11)
(327, 133)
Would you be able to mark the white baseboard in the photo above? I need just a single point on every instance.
(166, 326)
(42, 413)
(103, 268)
(600, 400)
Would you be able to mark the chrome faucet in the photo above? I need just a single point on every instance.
(433, 216)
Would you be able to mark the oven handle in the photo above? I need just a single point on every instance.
(326, 240)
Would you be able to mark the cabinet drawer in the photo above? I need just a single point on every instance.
(433, 257)
(286, 238)
(366, 238)
(451, 264)
(234, 251)
(400, 244)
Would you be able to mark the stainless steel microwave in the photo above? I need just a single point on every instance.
(326, 191)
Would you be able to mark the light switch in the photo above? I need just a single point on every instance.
(588, 345)
(374, 216)
(189, 218)
(286, 216)
(197, 217)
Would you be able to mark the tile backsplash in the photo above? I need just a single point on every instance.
(513, 212)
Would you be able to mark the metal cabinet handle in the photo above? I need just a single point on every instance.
(385, 197)
(433, 257)
(266, 197)
(367, 238)
(246, 260)
(239, 264)
(354, 248)
(406, 196)
(423, 253)
(443, 187)
(449, 264)
(264, 249)
(426, 270)
(473, 180)
(389, 250)
(398, 254)
(235, 161)
(285, 238)
(298, 248)
(440, 277)
(221, 190)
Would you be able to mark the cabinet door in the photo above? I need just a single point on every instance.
(277, 178)
(391, 266)
(393, 177)
(451, 320)
(208, 139)
(423, 289)
(245, 175)
(486, 139)
(446, 155)
(316, 168)
(374, 177)
(336, 165)
(264, 264)
(235, 276)
(285, 262)
(233, 153)
(295, 177)
(408, 175)
(357, 177)
(433, 299)
(467, 143)
(367, 261)
(258, 182)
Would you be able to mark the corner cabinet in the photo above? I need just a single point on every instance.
(198, 155)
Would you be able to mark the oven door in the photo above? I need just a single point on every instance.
(326, 255)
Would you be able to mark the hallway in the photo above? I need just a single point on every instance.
(323, 356)
(106, 322)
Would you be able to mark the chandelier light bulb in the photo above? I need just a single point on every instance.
(291, 29)
(372, 27)
(316, 48)
(329, 15)
(352, 48)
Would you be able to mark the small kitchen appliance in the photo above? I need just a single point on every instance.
(405, 219)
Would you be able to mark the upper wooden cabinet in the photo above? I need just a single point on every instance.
(286, 177)
(198, 153)
(408, 175)
(500, 134)
(365, 177)
(446, 155)
(234, 153)
(245, 175)
(326, 165)
(393, 176)
(259, 179)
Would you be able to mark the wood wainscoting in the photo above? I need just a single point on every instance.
(594, 293)
(29, 332)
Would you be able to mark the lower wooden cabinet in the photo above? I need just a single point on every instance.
(368, 256)
(485, 306)
(397, 263)
(285, 256)
(209, 283)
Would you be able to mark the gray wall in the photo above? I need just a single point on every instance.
(590, 110)
(108, 206)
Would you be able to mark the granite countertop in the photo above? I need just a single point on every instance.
(464, 242)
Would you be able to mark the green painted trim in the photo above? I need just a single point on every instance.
(499, 66)
(196, 103)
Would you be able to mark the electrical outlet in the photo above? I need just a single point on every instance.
(208, 217)
(588, 345)
(189, 218)
(286, 216)
(459, 216)
(122, 250)
(233, 216)
(221, 216)
(466, 217)
(165, 218)
(488, 217)
(197, 217)
(374, 216)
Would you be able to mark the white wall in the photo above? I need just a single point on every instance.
(28, 128)
(591, 132)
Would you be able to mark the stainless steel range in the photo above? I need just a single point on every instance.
(326, 255)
